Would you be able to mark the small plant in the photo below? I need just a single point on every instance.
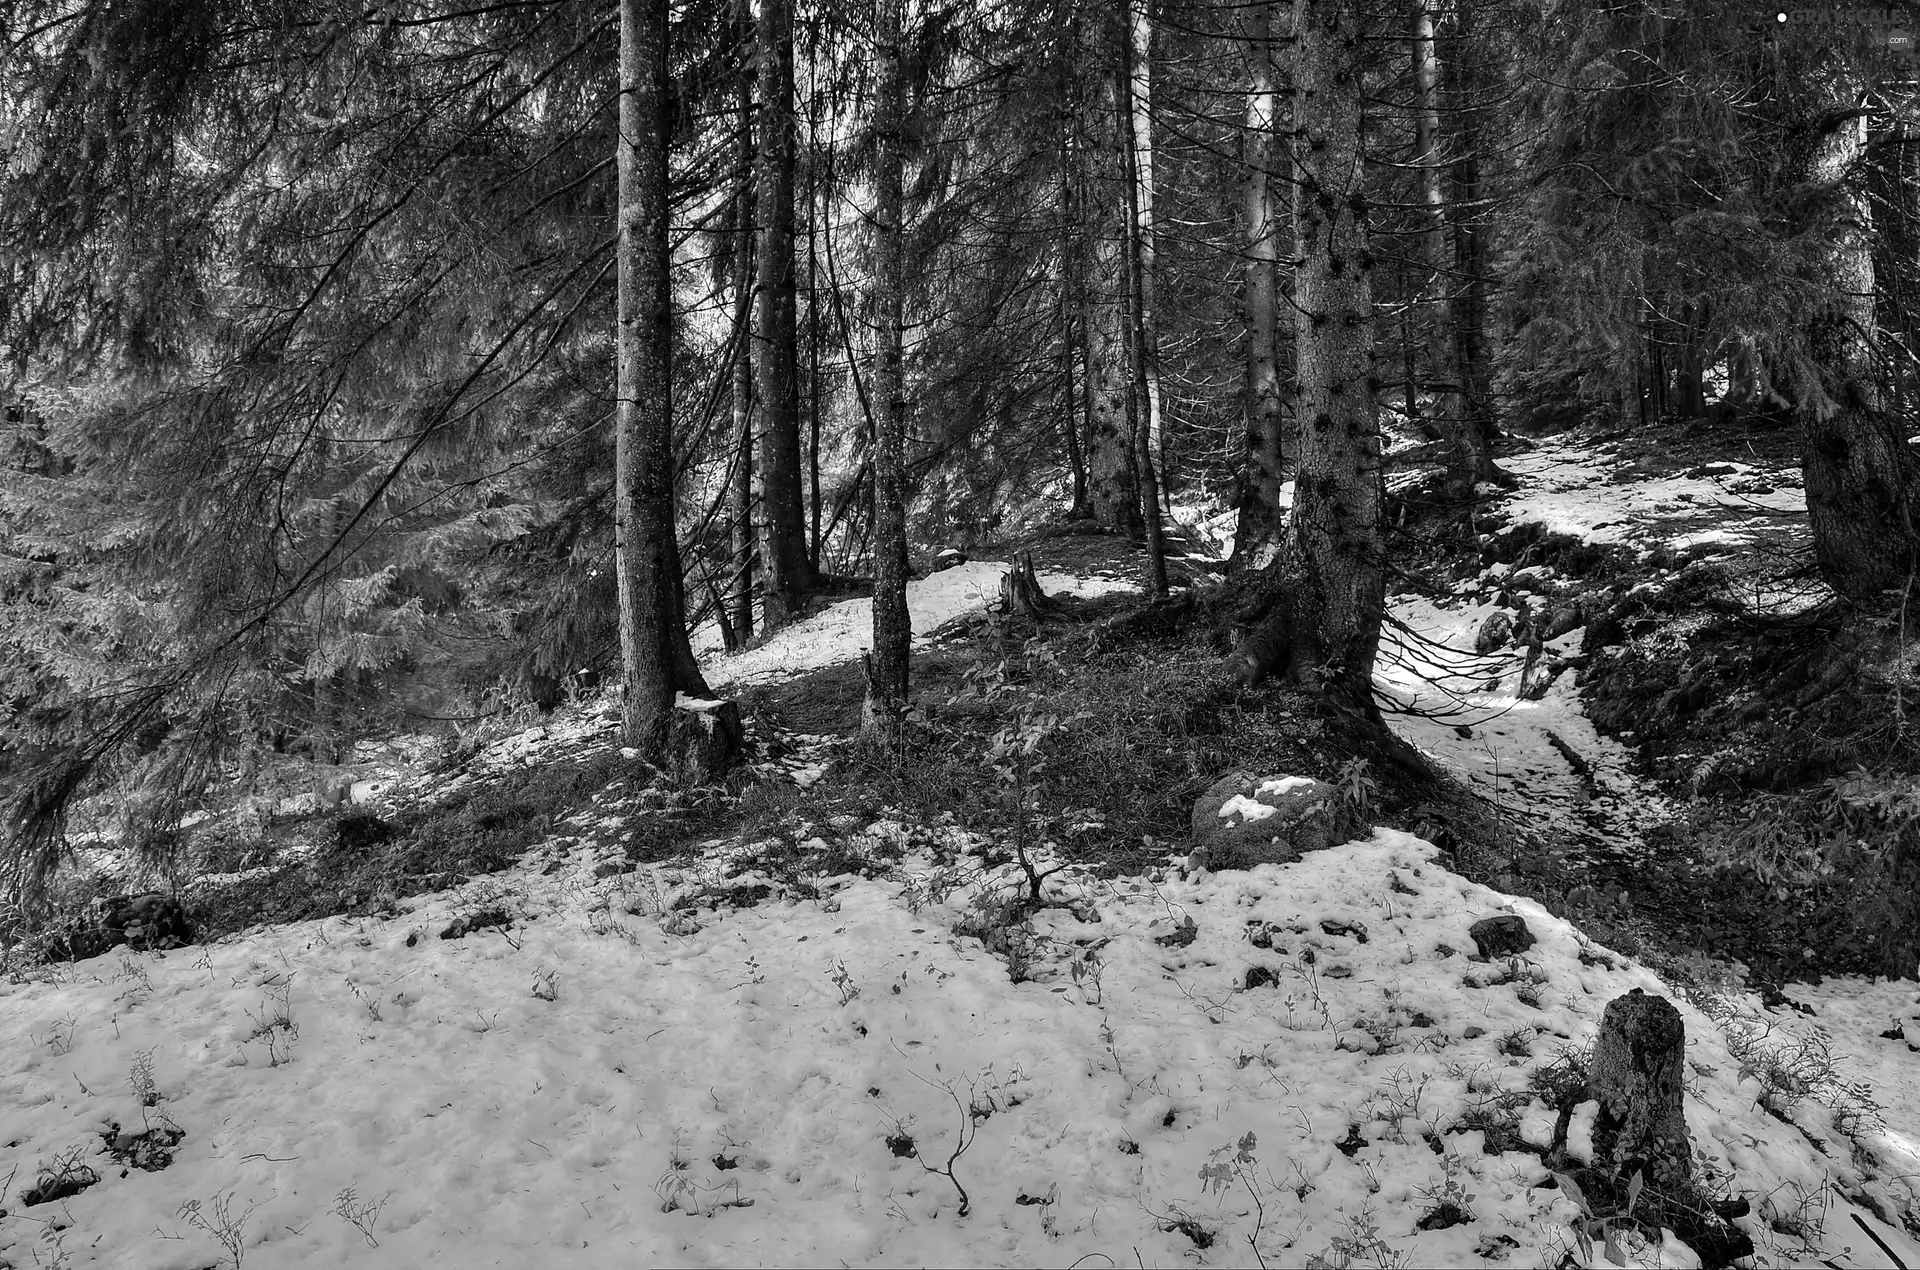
(140, 1079)
(1450, 1203)
(1358, 789)
(60, 1035)
(1359, 1246)
(368, 1002)
(361, 1214)
(843, 980)
(1086, 970)
(546, 985)
(1608, 1229)
(225, 1228)
(130, 968)
(63, 1178)
(274, 1024)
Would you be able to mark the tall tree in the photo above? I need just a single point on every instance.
(1337, 524)
(1862, 479)
(655, 654)
(892, 630)
(1258, 537)
(1143, 355)
(740, 617)
(786, 572)
(1449, 400)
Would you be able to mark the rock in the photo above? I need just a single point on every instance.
(485, 919)
(1561, 622)
(1336, 926)
(1246, 820)
(145, 921)
(1261, 977)
(1501, 936)
(949, 558)
(1494, 632)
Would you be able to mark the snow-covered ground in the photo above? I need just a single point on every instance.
(618, 1080)
(841, 632)
(611, 1084)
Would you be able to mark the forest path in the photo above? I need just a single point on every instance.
(1653, 503)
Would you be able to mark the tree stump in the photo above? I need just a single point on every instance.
(707, 738)
(1638, 1076)
(1020, 593)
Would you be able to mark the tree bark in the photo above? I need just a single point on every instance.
(1070, 307)
(1258, 537)
(1144, 395)
(1441, 346)
(1860, 473)
(1472, 355)
(786, 575)
(1639, 1078)
(740, 589)
(892, 631)
(1139, 88)
(1338, 534)
(655, 654)
(1113, 488)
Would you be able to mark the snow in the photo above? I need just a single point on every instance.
(1246, 808)
(1429, 670)
(629, 1076)
(841, 632)
(720, 1087)
(1562, 490)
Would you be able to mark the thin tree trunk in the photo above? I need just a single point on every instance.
(786, 576)
(1112, 483)
(655, 654)
(1337, 505)
(1261, 530)
(740, 606)
(813, 297)
(1139, 50)
(892, 632)
(1464, 461)
(1069, 305)
(1472, 356)
(1144, 388)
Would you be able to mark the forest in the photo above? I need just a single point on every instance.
(1007, 420)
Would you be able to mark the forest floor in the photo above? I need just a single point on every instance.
(516, 1007)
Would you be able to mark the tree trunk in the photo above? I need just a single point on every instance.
(1472, 357)
(786, 576)
(1112, 486)
(1450, 415)
(1639, 1078)
(1337, 530)
(655, 655)
(1258, 537)
(1860, 473)
(740, 590)
(1069, 306)
(1139, 90)
(1145, 387)
(892, 631)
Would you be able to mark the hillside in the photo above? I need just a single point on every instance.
(571, 1019)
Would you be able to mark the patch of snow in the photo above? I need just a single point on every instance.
(1245, 808)
(1284, 784)
(841, 632)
